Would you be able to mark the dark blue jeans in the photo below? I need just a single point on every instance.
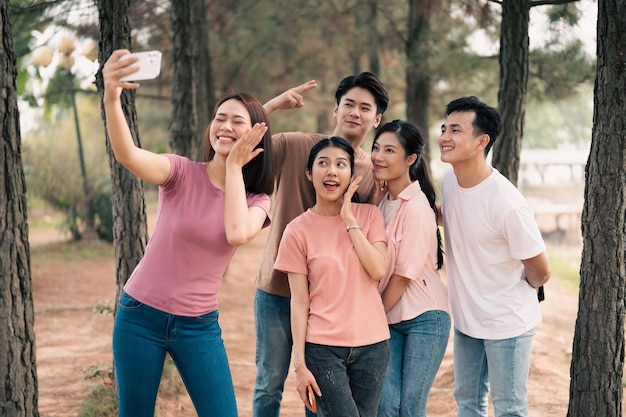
(272, 321)
(143, 335)
(350, 378)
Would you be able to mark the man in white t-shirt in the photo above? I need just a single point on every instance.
(496, 261)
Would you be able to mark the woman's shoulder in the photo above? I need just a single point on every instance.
(364, 207)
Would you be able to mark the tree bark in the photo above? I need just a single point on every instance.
(598, 348)
(192, 95)
(513, 58)
(18, 372)
(130, 233)
(418, 70)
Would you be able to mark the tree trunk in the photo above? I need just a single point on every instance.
(513, 86)
(418, 70)
(192, 95)
(18, 373)
(130, 233)
(365, 46)
(598, 348)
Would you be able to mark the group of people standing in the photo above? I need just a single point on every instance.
(349, 292)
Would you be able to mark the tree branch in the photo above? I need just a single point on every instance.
(534, 3)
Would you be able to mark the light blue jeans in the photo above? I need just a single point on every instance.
(502, 365)
(350, 378)
(416, 349)
(143, 335)
(272, 320)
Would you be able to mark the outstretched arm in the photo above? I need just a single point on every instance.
(290, 99)
(148, 166)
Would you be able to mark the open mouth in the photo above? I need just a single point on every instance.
(226, 139)
(331, 185)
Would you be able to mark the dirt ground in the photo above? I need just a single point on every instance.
(71, 337)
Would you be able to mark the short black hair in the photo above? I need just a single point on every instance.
(368, 81)
(487, 120)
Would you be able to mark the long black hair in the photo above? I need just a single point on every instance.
(413, 142)
(258, 174)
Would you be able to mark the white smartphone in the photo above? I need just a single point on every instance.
(149, 65)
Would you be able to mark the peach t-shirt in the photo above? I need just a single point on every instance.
(412, 248)
(345, 306)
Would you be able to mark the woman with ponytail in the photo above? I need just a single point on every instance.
(414, 296)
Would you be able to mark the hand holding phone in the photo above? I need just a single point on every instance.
(149, 64)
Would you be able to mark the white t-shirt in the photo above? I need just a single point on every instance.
(489, 229)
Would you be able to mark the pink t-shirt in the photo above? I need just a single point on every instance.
(345, 306)
(412, 248)
(188, 254)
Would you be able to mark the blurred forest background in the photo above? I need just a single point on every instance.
(266, 47)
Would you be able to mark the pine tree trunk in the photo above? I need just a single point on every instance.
(513, 58)
(130, 233)
(418, 55)
(18, 373)
(598, 349)
(192, 95)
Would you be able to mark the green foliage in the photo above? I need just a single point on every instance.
(554, 124)
(101, 207)
(557, 72)
(565, 263)
(101, 402)
(51, 162)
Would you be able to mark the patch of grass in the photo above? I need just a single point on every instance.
(565, 263)
(71, 252)
(101, 402)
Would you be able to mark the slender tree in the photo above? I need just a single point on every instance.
(192, 90)
(130, 233)
(18, 373)
(598, 349)
(514, 62)
(419, 52)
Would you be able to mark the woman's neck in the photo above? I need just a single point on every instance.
(327, 208)
(397, 185)
(216, 170)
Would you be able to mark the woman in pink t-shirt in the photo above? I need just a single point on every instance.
(414, 296)
(205, 211)
(334, 254)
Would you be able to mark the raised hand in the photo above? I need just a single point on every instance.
(114, 69)
(290, 99)
(346, 207)
(243, 151)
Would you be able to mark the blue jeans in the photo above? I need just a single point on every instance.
(143, 335)
(350, 378)
(272, 321)
(416, 349)
(502, 365)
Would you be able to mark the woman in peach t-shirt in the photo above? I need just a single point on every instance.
(334, 254)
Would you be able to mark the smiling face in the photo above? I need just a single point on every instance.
(390, 159)
(231, 122)
(356, 115)
(459, 142)
(330, 173)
